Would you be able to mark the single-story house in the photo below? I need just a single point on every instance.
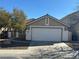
(47, 28)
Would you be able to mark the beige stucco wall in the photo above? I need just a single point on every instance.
(76, 27)
(65, 35)
(28, 34)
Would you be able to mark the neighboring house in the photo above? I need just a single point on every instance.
(72, 20)
(47, 28)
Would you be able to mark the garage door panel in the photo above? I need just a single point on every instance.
(46, 34)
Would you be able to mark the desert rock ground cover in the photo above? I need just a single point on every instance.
(55, 51)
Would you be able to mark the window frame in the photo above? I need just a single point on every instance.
(47, 21)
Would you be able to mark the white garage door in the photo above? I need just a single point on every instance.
(46, 34)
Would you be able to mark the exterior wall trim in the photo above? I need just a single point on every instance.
(48, 26)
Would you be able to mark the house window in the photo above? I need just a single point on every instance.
(47, 21)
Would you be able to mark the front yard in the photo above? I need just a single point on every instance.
(53, 51)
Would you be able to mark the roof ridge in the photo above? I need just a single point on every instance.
(69, 15)
(53, 18)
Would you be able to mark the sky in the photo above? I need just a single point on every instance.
(37, 8)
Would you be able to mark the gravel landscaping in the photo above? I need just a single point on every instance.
(54, 51)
